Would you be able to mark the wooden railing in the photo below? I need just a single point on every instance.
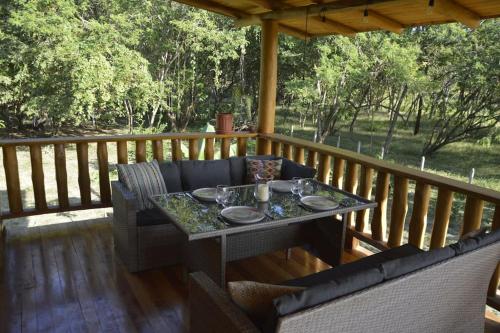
(10, 161)
(355, 173)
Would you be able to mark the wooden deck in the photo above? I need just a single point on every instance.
(64, 278)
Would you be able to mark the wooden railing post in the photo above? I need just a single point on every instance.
(242, 147)
(12, 179)
(102, 160)
(338, 172)
(287, 151)
(209, 148)
(140, 151)
(351, 185)
(379, 222)
(365, 190)
(324, 168)
(311, 158)
(176, 150)
(61, 175)
(418, 221)
(37, 177)
(299, 155)
(276, 149)
(473, 214)
(225, 147)
(193, 149)
(398, 211)
(122, 152)
(441, 218)
(157, 150)
(495, 224)
(82, 152)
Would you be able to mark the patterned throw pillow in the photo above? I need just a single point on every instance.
(255, 298)
(144, 180)
(267, 168)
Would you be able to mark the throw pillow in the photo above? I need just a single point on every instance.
(267, 168)
(256, 299)
(144, 180)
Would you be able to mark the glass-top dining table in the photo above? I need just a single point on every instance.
(211, 241)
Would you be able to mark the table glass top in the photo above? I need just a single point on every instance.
(196, 217)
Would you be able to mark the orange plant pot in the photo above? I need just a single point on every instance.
(224, 123)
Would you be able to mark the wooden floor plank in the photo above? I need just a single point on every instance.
(65, 278)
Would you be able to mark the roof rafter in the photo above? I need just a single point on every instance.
(381, 21)
(457, 12)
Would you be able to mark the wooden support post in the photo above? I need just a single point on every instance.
(82, 152)
(441, 218)
(12, 179)
(287, 151)
(365, 191)
(61, 175)
(418, 220)
(209, 148)
(338, 172)
(157, 150)
(311, 159)
(176, 150)
(140, 151)
(37, 177)
(242, 147)
(268, 79)
(379, 222)
(473, 214)
(495, 224)
(225, 147)
(276, 149)
(122, 152)
(193, 149)
(299, 155)
(102, 160)
(324, 168)
(398, 211)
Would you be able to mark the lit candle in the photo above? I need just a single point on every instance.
(263, 192)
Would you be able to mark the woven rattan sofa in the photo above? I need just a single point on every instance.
(144, 239)
(434, 291)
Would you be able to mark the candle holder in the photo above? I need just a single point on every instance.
(262, 191)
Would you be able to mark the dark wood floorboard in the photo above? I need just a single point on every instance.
(65, 278)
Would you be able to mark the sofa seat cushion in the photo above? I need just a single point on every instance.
(290, 169)
(475, 241)
(150, 217)
(144, 180)
(357, 266)
(172, 176)
(199, 174)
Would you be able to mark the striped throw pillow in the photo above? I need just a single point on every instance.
(144, 180)
(269, 169)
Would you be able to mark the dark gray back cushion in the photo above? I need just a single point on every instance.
(238, 169)
(476, 241)
(290, 169)
(172, 176)
(198, 174)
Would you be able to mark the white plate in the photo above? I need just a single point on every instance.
(242, 214)
(318, 202)
(205, 194)
(280, 185)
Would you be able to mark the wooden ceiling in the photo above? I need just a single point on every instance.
(347, 17)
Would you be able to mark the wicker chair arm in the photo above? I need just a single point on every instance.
(212, 310)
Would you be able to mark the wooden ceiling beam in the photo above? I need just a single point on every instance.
(457, 12)
(373, 18)
(335, 26)
(214, 7)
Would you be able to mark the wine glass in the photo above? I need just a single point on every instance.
(295, 185)
(229, 197)
(306, 187)
(220, 194)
